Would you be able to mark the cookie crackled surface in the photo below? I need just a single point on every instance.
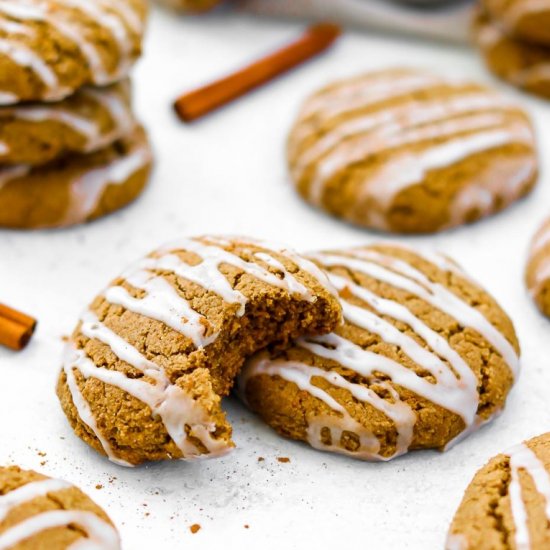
(507, 504)
(425, 357)
(146, 368)
(40, 513)
(406, 151)
(51, 48)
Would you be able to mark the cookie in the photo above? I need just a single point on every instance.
(50, 48)
(425, 357)
(522, 64)
(38, 512)
(75, 189)
(145, 369)
(537, 273)
(192, 6)
(409, 152)
(506, 506)
(528, 20)
(90, 120)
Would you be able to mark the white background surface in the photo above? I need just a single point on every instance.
(227, 174)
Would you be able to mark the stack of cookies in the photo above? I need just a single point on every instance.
(70, 147)
(514, 38)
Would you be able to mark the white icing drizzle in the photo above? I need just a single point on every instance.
(505, 180)
(87, 189)
(162, 302)
(402, 275)
(367, 91)
(456, 541)
(12, 173)
(117, 18)
(167, 401)
(454, 385)
(408, 168)
(396, 119)
(26, 57)
(100, 535)
(541, 239)
(523, 458)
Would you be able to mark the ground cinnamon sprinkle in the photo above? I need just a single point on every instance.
(195, 528)
(283, 459)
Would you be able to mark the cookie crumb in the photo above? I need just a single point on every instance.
(283, 459)
(246, 526)
(195, 528)
(99, 486)
(261, 459)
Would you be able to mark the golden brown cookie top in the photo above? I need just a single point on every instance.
(50, 48)
(425, 356)
(408, 151)
(40, 512)
(506, 506)
(528, 20)
(173, 331)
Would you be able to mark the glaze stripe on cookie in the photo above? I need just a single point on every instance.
(161, 302)
(72, 19)
(100, 535)
(523, 458)
(452, 384)
(90, 120)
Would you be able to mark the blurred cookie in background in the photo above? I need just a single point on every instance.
(405, 151)
(537, 274)
(525, 65)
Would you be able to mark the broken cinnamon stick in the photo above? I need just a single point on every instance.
(16, 328)
(204, 100)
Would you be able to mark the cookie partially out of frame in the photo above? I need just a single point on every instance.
(191, 6)
(522, 64)
(537, 273)
(506, 506)
(51, 48)
(528, 20)
(409, 152)
(424, 358)
(75, 189)
(150, 360)
(40, 513)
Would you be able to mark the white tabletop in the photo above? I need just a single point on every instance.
(227, 174)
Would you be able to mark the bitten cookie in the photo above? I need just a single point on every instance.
(425, 357)
(405, 151)
(88, 121)
(537, 274)
(525, 19)
(50, 48)
(148, 363)
(522, 64)
(40, 513)
(75, 189)
(506, 506)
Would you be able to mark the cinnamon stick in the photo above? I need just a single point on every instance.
(16, 328)
(204, 100)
